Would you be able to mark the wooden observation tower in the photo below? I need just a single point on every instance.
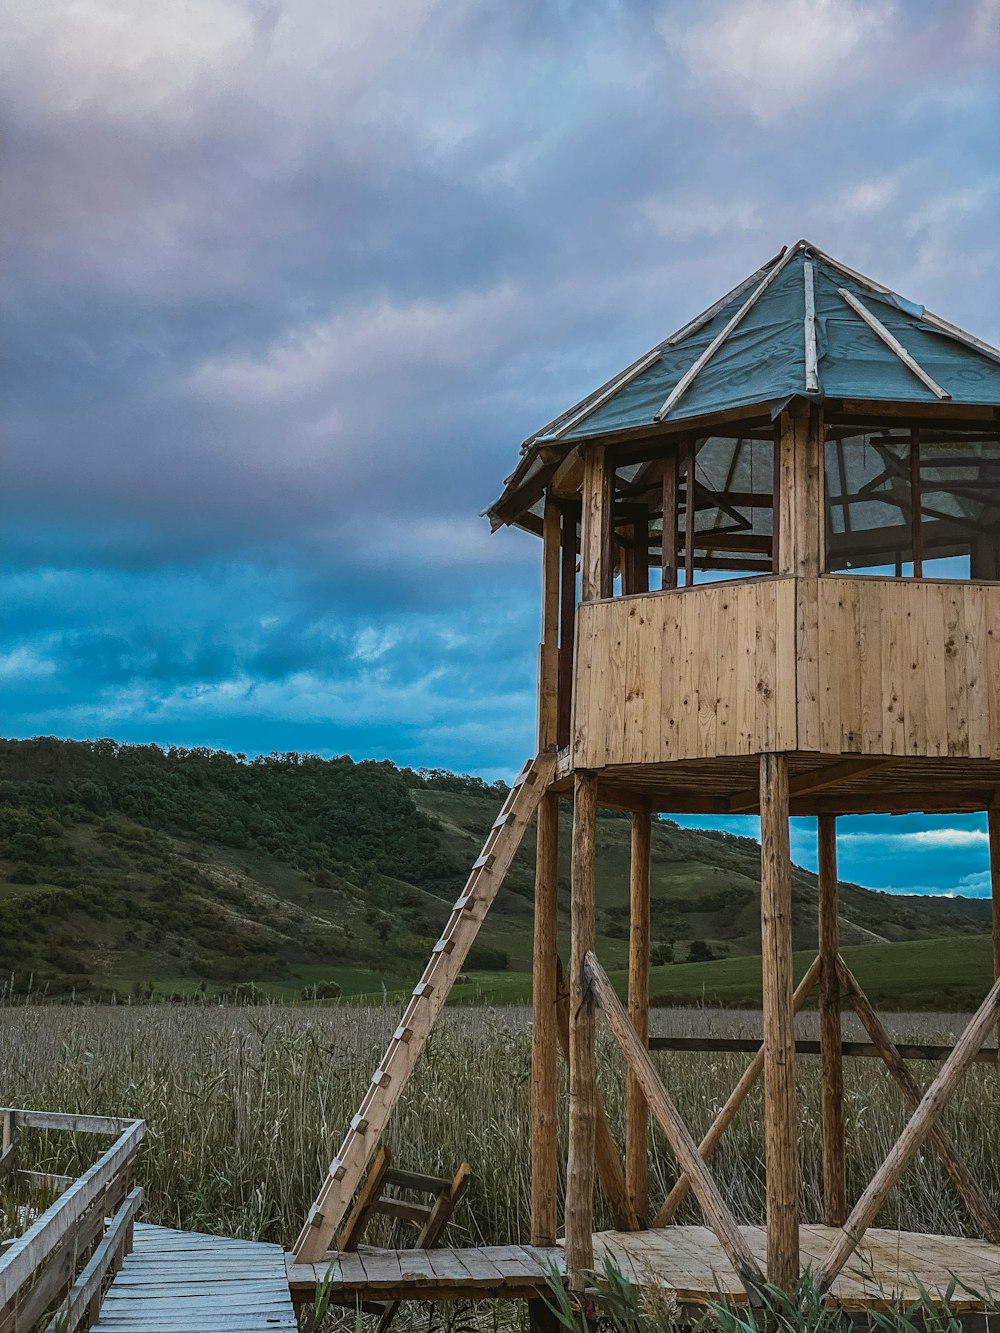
(771, 584)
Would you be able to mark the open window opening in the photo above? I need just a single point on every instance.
(698, 512)
(909, 503)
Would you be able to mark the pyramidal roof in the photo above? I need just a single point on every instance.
(803, 324)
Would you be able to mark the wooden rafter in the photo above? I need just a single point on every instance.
(805, 784)
(812, 356)
(689, 376)
(893, 343)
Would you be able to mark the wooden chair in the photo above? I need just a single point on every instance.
(430, 1218)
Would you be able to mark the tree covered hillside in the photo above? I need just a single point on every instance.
(131, 867)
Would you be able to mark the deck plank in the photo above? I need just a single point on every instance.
(189, 1282)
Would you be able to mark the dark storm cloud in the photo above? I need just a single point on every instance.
(287, 282)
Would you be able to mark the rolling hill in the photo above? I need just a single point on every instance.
(134, 869)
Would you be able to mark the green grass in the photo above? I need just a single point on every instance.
(950, 973)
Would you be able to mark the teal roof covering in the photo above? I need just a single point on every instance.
(802, 324)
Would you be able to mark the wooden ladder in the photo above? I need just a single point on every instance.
(389, 1079)
(430, 1218)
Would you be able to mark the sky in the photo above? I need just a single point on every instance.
(286, 283)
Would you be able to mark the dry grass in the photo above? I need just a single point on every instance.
(245, 1106)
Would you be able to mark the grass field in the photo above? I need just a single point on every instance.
(953, 973)
(245, 1106)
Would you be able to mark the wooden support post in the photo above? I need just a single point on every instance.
(671, 486)
(731, 1105)
(636, 1108)
(596, 545)
(834, 1159)
(640, 554)
(800, 539)
(567, 623)
(689, 512)
(544, 1038)
(548, 651)
(610, 1171)
(579, 1226)
(916, 504)
(780, 1114)
(993, 821)
(912, 1138)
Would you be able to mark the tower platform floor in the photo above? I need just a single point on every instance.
(686, 1262)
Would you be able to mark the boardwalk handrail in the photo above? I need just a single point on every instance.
(29, 1284)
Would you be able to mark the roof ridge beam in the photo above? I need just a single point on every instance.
(686, 380)
(812, 355)
(892, 342)
(565, 421)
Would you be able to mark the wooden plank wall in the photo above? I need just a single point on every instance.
(686, 674)
(899, 666)
(835, 665)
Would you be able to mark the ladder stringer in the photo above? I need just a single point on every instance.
(427, 1001)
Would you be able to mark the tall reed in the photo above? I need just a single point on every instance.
(246, 1106)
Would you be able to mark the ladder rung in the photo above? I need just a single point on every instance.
(416, 1180)
(359, 1124)
(337, 1169)
(484, 862)
(465, 903)
(422, 989)
(444, 946)
(381, 1078)
(409, 1212)
(508, 817)
(402, 1033)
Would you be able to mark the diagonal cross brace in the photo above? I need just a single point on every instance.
(716, 1210)
(938, 1138)
(912, 1138)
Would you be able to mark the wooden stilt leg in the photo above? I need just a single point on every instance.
(582, 1050)
(993, 817)
(610, 1171)
(780, 1114)
(636, 1109)
(834, 1162)
(544, 1038)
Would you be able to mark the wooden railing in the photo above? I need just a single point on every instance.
(53, 1276)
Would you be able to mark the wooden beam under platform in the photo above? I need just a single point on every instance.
(819, 784)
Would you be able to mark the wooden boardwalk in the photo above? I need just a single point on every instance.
(186, 1282)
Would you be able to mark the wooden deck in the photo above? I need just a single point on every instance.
(685, 1261)
(185, 1282)
(485, 1272)
(690, 1263)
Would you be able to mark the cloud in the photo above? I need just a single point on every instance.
(934, 837)
(286, 283)
(774, 56)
